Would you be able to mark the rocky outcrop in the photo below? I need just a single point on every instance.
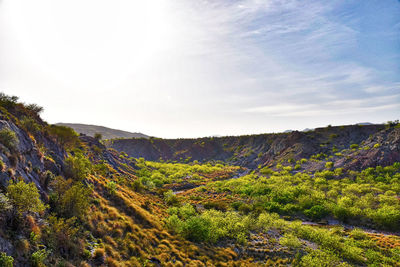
(28, 160)
(377, 145)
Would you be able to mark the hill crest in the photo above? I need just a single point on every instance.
(107, 133)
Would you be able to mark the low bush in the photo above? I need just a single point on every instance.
(170, 198)
(290, 241)
(5, 260)
(30, 124)
(4, 203)
(316, 212)
(61, 235)
(111, 187)
(8, 138)
(64, 135)
(69, 199)
(217, 205)
(354, 146)
(8, 101)
(24, 197)
(77, 166)
(38, 258)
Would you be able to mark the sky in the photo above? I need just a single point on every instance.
(186, 68)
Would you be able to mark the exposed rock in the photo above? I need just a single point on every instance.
(378, 144)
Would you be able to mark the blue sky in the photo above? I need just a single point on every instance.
(197, 68)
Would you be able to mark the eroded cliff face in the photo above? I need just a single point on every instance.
(36, 152)
(377, 145)
(31, 156)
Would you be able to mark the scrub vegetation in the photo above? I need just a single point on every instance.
(69, 200)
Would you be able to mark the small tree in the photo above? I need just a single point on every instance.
(4, 204)
(6, 261)
(77, 167)
(34, 108)
(98, 136)
(30, 124)
(8, 138)
(65, 135)
(24, 197)
(75, 201)
(62, 235)
(8, 101)
(170, 198)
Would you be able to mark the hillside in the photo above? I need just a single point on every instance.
(350, 147)
(328, 197)
(107, 133)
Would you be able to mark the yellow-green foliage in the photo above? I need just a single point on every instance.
(371, 195)
(290, 240)
(5, 260)
(24, 197)
(77, 166)
(70, 198)
(64, 135)
(8, 138)
(159, 173)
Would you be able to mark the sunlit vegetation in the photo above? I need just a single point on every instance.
(77, 166)
(158, 174)
(8, 138)
(368, 198)
(5, 260)
(64, 135)
(74, 202)
(24, 198)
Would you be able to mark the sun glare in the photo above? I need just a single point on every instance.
(91, 42)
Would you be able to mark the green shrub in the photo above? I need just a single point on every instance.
(98, 136)
(34, 108)
(64, 135)
(354, 146)
(266, 171)
(290, 241)
(75, 201)
(8, 101)
(30, 124)
(329, 165)
(341, 213)
(319, 258)
(196, 229)
(38, 257)
(387, 217)
(217, 205)
(4, 204)
(245, 208)
(137, 186)
(2, 165)
(112, 187)
(68, 198)
(170, 198)
(8, 138)
(175, 224)
(5, 260)
(77, 167)
(316, 212)
(24, 197)
(62, 235)
(358, 234)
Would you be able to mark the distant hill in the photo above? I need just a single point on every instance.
(107, 133)
(267, 149)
